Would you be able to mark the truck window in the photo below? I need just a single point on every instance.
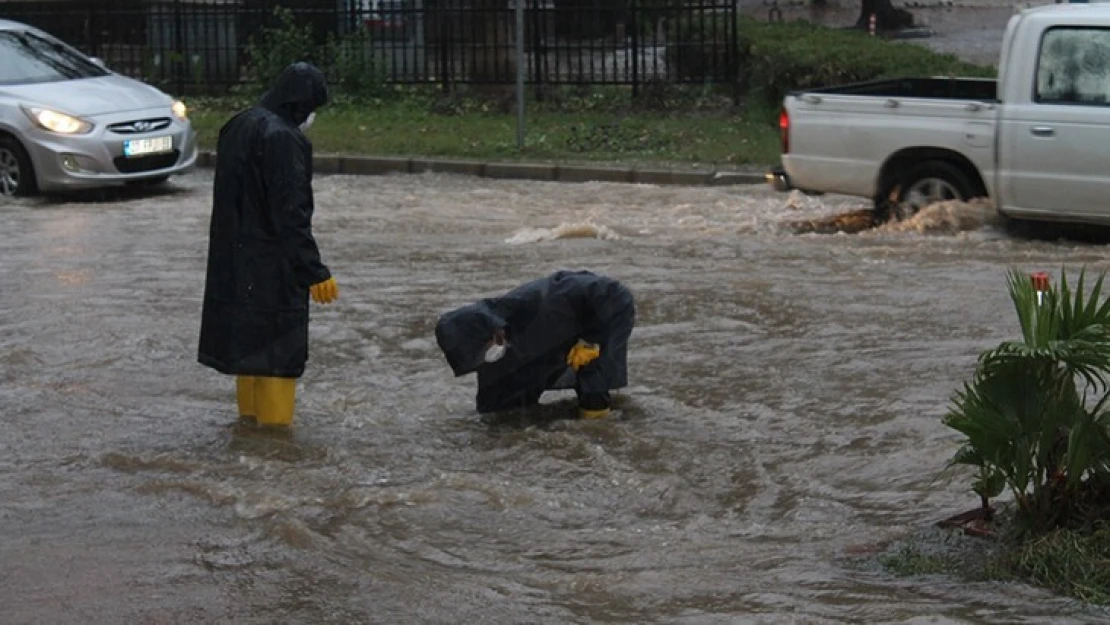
(1074, 67)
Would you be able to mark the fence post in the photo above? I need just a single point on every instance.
(444, 44)
(94, 40)
(734, 52)
(179, 48)
(537, 48)
(420, 35)
(634, 10)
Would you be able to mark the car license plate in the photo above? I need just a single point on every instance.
(143, 147)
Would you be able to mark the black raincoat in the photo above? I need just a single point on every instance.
(542, 320)
(262, 257)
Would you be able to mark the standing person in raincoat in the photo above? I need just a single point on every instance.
(568, 330)
(262, 258)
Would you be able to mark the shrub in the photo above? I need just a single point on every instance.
(796, 55)
(269, 53)
(1036, 414)
(353, 68)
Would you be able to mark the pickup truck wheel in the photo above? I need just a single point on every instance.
(929, 183)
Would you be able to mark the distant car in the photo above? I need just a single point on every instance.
(384, 19)
(68, 123)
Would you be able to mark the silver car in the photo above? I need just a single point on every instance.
(67, 122)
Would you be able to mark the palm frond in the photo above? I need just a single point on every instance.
(968, 455)
(989, 483)
(1083, 313)
(1024, 415)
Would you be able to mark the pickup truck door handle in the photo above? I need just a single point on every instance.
(1042, 131)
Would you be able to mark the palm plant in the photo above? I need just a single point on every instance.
(1036, 413)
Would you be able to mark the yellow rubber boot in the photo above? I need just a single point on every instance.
(244, 393)
(593, 414)
(274, 398)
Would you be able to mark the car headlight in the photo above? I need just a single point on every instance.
(58, 122)
(180, 111)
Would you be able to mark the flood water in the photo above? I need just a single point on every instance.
(784, 416)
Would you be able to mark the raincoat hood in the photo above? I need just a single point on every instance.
(297, 92)
(463, 333)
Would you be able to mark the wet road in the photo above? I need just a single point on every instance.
(784, 415)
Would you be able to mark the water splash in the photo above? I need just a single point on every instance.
(578, 230)
(951, 217)
(800, 201)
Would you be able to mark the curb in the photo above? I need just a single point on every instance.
(382, 165)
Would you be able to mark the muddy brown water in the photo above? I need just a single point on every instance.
(783, 418)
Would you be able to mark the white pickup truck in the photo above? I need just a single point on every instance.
(1036, 141)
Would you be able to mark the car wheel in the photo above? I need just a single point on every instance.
(17, 174)
(929, 183)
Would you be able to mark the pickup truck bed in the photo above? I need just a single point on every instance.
(983, 90)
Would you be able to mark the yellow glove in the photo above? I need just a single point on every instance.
(582, 354)
(324, 292)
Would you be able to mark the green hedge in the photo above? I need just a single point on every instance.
(781, 57)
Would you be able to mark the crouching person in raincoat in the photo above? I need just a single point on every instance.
(263, 261)
(568, 330)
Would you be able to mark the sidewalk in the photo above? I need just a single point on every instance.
(380, 165)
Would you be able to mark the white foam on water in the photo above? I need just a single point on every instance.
(800, 201)
(953, 217)
(577, 230)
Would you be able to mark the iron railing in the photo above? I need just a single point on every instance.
(203, 45)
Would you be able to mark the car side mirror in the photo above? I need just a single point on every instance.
(98, 62)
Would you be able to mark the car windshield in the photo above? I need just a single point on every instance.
(29, 58)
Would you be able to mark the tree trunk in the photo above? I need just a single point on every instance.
(887, 17)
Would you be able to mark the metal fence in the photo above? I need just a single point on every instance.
(203, 45)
